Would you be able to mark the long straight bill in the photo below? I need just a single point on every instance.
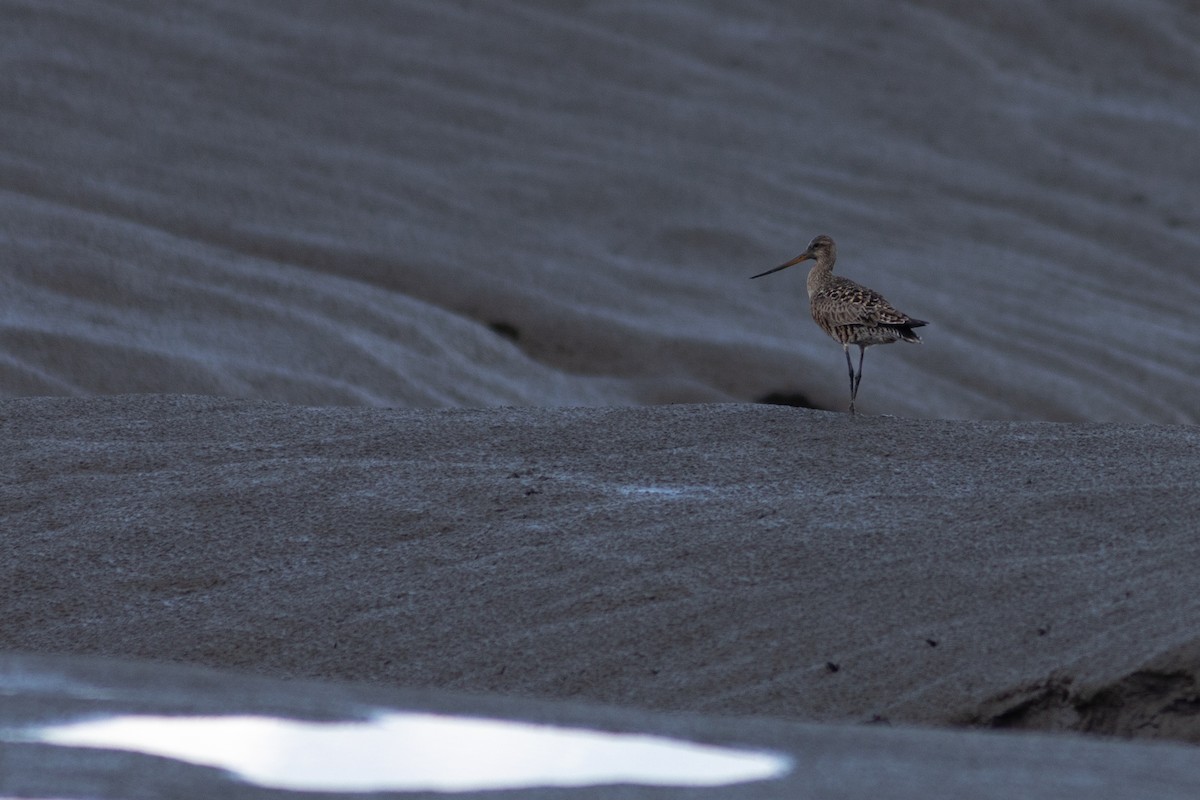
(796, 260)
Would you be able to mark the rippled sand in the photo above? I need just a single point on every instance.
(736, 560)
(368, 204)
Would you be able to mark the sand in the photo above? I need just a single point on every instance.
(829, 761)
(405, 352)
(314, 204)
(746, 561)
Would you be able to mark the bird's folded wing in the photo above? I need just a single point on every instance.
(856, 305)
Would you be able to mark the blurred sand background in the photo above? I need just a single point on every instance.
(311, 203)
(411, 344)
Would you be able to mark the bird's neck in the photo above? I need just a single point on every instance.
(819, 275)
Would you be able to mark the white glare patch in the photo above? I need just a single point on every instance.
(419, 752)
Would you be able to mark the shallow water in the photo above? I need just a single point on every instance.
(418, 752)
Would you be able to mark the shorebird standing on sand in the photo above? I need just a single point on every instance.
(847, 311)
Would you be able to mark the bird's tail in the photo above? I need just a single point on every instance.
(906, 330)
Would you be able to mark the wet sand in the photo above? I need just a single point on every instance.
(749, 562)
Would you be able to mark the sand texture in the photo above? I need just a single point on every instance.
(306, 202)
(740, 560)
(830, 762)
(404, 352)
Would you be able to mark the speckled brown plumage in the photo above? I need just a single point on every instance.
(850, 312)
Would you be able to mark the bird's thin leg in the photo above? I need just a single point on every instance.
(853, 382)
(862, 351)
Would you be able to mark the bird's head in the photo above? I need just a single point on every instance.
(821, 248)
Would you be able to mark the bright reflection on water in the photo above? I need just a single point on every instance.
(419, 752)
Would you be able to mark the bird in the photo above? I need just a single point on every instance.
(848, 311)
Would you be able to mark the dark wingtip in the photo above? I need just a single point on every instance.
(906, 330)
